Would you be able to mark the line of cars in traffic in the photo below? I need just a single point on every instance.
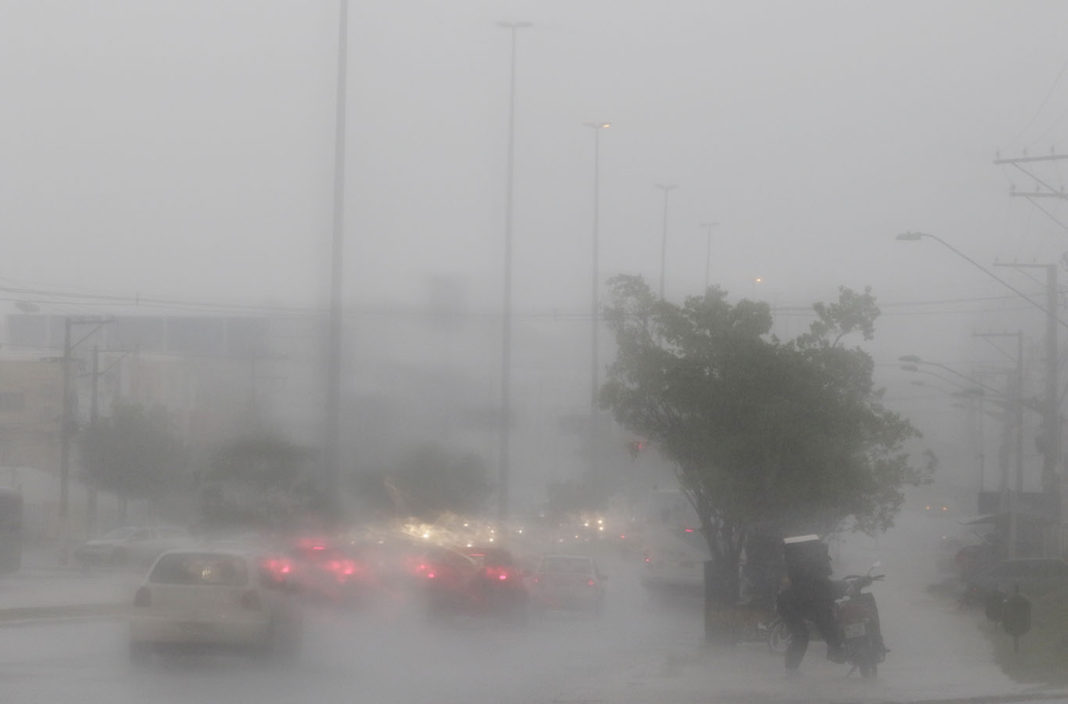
(248, 593)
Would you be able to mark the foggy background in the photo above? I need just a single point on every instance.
(182, 152)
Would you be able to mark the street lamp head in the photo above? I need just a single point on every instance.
(912, 236)
(598, 125)
(710, 224)
(909, 368)
(910, 358)
(515, 25)
(666, 187)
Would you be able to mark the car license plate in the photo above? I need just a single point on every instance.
(856, 630)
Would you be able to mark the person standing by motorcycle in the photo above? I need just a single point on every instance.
(809, 598)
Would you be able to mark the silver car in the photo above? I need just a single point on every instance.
(132, 546)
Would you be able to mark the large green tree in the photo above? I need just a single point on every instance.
(263, 481)
(762, 432)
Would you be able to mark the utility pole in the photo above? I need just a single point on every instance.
(667, 189)
(708, 249)
(1050, 445)
(90, 485)
(1042, 189)
(66, 430)
(1010, 492)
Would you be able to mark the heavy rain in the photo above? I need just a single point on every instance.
(533, 352)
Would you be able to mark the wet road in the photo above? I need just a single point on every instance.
(640, 650)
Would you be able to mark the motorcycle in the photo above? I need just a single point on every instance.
(858, 618)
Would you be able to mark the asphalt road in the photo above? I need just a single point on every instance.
(640, 651)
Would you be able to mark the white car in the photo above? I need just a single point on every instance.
(215, 599)
(567, 582)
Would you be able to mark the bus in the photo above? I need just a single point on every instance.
(10, 530)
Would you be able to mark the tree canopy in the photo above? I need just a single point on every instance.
(262, 481)
(761, 432)
(134, 453)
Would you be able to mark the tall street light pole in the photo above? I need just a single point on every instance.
(504, 468)
(708, 250)
(595, 312)
(332, 450)
(666, 188)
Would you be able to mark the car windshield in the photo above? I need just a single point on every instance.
(202, 569)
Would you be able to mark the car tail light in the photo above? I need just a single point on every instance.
(591, 583)
(277, 567)
(498, 573)
(250, 599)
(143, 597)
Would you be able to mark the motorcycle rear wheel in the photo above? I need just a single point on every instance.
(778, 637)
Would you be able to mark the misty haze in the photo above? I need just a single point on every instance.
(533, 352)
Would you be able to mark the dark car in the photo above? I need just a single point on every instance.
(475, 582)
(329, 572)
(1035, 576)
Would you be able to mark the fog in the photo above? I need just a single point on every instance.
(167, 184)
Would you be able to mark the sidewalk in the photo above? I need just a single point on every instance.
(43, 589)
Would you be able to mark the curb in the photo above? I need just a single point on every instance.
(31, 614)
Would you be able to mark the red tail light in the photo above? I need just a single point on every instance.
(498, 573)
(591, 583)
(250, 599)
(143, 597)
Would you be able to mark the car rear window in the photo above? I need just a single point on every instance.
(208, 569)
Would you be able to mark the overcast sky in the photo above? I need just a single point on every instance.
(184, 149)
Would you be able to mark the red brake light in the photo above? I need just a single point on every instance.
(498, 573)
(591, 583)
(143, 597)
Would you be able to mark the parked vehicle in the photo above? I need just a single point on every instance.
(567, 582)
(214, 599)
(132, 546)
(857, 615)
